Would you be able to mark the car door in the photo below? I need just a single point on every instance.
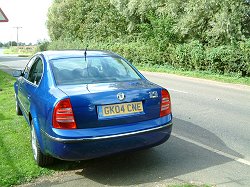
(29, 83)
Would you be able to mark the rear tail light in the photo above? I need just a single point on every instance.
(165, 103)
(63, 116)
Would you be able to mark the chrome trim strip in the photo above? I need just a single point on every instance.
(103, 137)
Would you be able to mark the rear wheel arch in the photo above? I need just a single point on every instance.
(41, 159)
(34, 121)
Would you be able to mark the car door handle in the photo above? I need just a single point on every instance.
(28, 97)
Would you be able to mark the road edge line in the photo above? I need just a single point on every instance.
(237, 159)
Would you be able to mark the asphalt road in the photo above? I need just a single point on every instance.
(210, 143)
(11, 63)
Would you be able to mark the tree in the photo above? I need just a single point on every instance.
(13, 43)
(84, 19)
(214, 22)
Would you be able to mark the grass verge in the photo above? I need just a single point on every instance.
(17, 165)
(227, 78)
(21, 51)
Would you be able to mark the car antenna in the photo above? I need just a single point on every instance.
(85, 52)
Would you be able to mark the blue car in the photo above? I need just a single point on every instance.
(87, 104)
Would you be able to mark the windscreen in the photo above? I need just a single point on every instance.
(92, 70)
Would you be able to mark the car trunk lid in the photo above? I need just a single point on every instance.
(90, 103)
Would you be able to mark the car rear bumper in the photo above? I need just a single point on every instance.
(93, 145)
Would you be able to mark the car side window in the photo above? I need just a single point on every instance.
(36, 71)
(27, 68)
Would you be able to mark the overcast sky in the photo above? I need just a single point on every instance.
(31, 15)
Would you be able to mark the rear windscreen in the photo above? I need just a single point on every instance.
(92, 70)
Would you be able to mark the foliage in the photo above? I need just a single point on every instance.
(21, 50)
(189, 56)
(245, 57)
(43, 45)
(13, 43)
(84, 19)
(192, 35)
(214, 22)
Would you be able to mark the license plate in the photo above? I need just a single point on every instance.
(120, 109)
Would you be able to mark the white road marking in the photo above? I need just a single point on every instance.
(237, 159)
(177, 90)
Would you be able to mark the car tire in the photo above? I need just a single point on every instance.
(18, 109)
(41, 159)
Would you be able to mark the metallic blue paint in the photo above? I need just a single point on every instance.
(93, 149)
(38, 101)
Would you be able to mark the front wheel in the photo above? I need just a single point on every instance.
(41, 159)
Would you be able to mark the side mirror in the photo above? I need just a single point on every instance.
(17, 73)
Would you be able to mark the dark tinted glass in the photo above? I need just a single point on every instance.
(36, 71)
(92, 70)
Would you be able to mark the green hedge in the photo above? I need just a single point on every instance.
(223, 59)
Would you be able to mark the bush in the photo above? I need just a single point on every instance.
(223, 59)
(228, 59)
(188, 56)
(43, 46)
(136, 52)
(245, 51)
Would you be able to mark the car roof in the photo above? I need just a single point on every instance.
(50, 55)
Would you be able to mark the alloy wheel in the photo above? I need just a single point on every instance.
(34, 142)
